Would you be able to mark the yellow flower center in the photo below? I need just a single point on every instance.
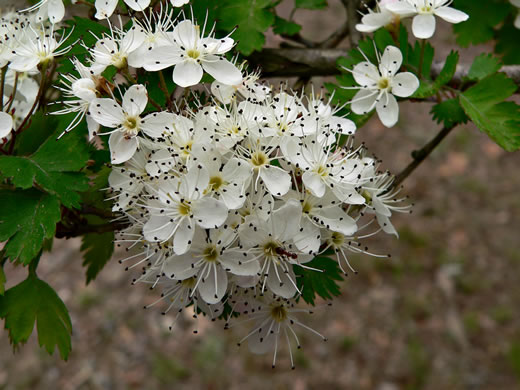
(259, 159)
(383, 83)
(270, 249)
(184, 208)
(210, 254)
(192, 53)
(279, 313)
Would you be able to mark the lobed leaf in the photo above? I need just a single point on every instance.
(323, 284)
(483, 66)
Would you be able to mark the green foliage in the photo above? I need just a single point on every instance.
(324, 284)
(448, 70)
(32, 301)
(253, 19)
(285, 27)
(483, 17)
(449, 113)
(310, 4)
(53, 167)
(484, 104)
(27, 218)
(483, 66)
(98, 249)
(507, 43)
(2, 280)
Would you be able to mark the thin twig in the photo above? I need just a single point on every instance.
(420, 155)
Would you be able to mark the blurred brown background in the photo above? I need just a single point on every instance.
(442, 313)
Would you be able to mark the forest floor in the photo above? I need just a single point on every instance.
(442, 313)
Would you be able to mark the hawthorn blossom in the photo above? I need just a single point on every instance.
(379, 86)
(192, 55)
(248, 89)
(424, 12)
(179, 3)
(105, 8)
(54, 10)
(127, 122)
(378, 18)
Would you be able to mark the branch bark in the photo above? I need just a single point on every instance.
(296, 62)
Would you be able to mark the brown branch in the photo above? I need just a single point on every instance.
(80, 230)
(420, 155)
(295, 62)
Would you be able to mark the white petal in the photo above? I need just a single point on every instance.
(210, 213)
(56, 11)
(451, 15)
(238, 264)
(286, 220)
(93, 127)
(183, 236)
(364, 101)
(390, 61)
(388, 110)
(404, 84)
(138, 5)
(180, 267)
(423, 26)
(105, 8)
(187, 73)
(308, 239)
(223, 92)
(262, 341)
(158, 228)
(314, 183)
(277, 181)
(186, 34)
(213, 286)
(121, 148)
(517, 20)
(403, 8)
(107, 112)
(236, 171)
(386, 225)
(373, 21)
(161, 58)
(233, 197)
(24, 64)
(222, 70)
(158, 124)
(282, 284)
(516, 3)
(84, 89)
(6, 124)
(195, 182)
(342, 125)
(135, 100)
(380, 207)
(366, 74)
(338, 221)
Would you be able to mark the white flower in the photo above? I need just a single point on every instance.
(379, 86)
(54, 10)
(127, 122)
(37, 48)
(180, 205)
(423, 25)
(516, 3)
(6, 124)
(105, 8)
(192, 55)
(274, 319)
(381, 17)
(248, 89)
(114, 49)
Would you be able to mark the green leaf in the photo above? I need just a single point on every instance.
(34, 301)
(484, 104)
(27, 218)
(2, 280)
(483, 17)
(414, 59)
(98, 249)
(323, 283)
(448, 70)
(52, 166)
(253, 19)
(310, 4)
(449, 113)
(285, 27)
(483, 66)
(507, 43)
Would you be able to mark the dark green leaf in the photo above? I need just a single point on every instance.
(448, 70)
(312, 283)
(2, 280)
(253, 19)
(483, 66)
(98, 249)
(507, 43)
(26, 219)
(449, 113)
(310, 4)
(483, 16)
(53, 166)
(34, 301)
(414, 59)
(285, 27)
(484, 104)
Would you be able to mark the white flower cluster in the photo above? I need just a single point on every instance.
(230, 198)
(26, 45)
(422, 11)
